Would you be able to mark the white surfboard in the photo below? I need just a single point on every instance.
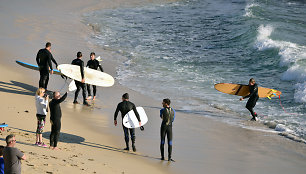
(130, 119)
(92, 77)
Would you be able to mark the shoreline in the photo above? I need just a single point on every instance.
(89, 138)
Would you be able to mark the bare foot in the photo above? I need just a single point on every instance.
(94, 98)
(51, 147)
(55, 148)
(88, 98)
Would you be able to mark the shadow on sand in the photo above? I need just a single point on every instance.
(75, 139)
(15, 87)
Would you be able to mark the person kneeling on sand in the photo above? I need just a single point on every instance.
(12, 156)
(124, 107)
(55, 118)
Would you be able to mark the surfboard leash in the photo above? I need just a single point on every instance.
(280, 102)
(64, 85)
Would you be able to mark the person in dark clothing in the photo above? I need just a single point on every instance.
(80, 85)
(93, 64)
(167, 114)
(124, 107)
(55, 118)
(253, 97)
(43, 59)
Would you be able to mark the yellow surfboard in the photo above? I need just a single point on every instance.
(243, 90)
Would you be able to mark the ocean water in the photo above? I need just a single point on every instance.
(182, 49)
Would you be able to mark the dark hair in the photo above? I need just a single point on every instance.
(79, 54)
(1, 150)
(48, 44)
(251, 80)
(8, 138)
(92, 53)
(167, 101)
(125, 96)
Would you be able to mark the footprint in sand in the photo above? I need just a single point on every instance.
(32, 153)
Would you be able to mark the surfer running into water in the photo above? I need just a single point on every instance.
(253, 97)
(124, 107)
(167, 114)
(93, 64)
(43, 59)
(81, 84)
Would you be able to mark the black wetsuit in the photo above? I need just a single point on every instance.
(124, 107)
(168, 115)
(78, 84)
(55, 117)
(93, 64)
(43, 59)
(252, 100)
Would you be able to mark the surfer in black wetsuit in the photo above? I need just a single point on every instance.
(43, 59)
(80, 85)
(55, 118)
(93, 64)
(253, 97)
(167, 114)
(124, 107)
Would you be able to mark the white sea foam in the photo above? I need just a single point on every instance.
(290, 55)
(300, 92)
(248, 9)
(282, 128)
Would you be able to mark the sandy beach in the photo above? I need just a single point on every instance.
(89, 142)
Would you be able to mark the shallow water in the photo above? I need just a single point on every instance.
(180, 50)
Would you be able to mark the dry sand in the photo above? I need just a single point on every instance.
(89, 142)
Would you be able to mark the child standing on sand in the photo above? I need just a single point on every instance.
(41, 99)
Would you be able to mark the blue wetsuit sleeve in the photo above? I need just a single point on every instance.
(173, 114)
(161, 113)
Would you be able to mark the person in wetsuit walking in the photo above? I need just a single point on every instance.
(43, 59)
(253, 97)
(80, 85)
(55, 118)
(93, 64)
(167, 114)
(124, 107)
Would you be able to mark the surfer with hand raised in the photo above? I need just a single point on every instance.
(253, 97)
(124, 107)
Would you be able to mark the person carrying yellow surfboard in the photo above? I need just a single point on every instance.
(253, 97)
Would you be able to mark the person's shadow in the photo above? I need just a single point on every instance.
(75, 139)
(15, 87)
